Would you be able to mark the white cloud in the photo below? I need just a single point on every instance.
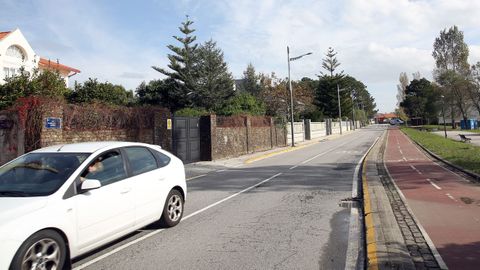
(375, 40)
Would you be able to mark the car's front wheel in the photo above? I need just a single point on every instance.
(43, 250)
(173, 209)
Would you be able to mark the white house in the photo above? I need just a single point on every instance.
(16, 52)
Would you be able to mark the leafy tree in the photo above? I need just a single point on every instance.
(456, 88)
(94, 91)
(353, 95)
(183, 66)
(451, 54)
(243, 103)
(251, 81)
(276, 96)
(474, 89)
(421, 100)
(450, 51)
(214, 82)
(361, 97)
(158, 92)
(330, 63)
(45, 84)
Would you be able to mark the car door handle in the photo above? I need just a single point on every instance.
(161, 179)
(125, 191)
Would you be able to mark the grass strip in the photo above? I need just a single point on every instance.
(465, 155)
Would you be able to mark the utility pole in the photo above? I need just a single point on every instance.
(339, 108)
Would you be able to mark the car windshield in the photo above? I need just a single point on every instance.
(38, 174)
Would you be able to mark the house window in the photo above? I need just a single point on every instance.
(17, 52)
(10, 72)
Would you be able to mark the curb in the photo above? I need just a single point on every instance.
(370, 242)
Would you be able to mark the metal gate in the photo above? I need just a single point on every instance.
(186, 138)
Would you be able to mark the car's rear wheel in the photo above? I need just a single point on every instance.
(173, 209)
(44, 250)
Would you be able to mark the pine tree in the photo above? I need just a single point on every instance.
(215, 83)
(183, 67)
(250, 83)
(330, 63)
(326, 93)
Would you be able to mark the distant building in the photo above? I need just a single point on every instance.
(16, 52)
(384, 118)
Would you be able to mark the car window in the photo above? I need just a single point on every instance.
(38, 174)
(141, 160)
(163, 159)
(107, 168)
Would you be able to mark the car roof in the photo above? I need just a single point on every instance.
(87, 147)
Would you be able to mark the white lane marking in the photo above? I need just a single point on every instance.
(430, 243)
(99, 258)
(451, 197)
(221, 170)
(415, 169)
(433, 184)
(195, 177)
(319, 155)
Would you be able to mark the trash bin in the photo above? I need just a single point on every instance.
(468, 124)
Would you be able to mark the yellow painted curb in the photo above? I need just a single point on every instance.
(250, 160)
(369, 225)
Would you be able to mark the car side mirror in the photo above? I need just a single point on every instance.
(89, 184)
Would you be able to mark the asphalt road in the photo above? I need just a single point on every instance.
(282, 212)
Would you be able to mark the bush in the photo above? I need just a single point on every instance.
(243, 103)
(191, 112)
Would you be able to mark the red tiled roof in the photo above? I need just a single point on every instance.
(47, 64)
(390, 115)
(386, 115)
(4, 34)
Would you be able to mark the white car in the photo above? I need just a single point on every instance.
(396, 121)
(59, 202)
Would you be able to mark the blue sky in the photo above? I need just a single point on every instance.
(119, 41)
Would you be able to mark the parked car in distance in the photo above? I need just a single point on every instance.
(396, 121)
(59, 202)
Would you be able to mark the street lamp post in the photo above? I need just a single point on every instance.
(443, 113)
(290, 89)
(353, 110)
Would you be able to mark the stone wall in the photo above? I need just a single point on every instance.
(11, 137)
(224, 137)
(155, 133)
(35, 132)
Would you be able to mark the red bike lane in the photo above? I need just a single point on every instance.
(446, 205)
